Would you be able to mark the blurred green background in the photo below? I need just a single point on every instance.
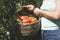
(8, 12)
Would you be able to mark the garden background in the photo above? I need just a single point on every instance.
(9, 29)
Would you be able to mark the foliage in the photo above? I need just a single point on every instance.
(8, 12)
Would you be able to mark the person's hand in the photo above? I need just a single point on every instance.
(33, 9)
(30, 7)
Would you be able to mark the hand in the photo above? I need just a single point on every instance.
(30, 7)
(35, 10)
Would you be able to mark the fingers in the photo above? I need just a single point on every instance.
(30, 7)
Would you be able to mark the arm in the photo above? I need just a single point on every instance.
(51, 15)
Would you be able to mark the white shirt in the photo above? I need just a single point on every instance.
(47, 24)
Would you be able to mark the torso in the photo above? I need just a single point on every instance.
(47, 24)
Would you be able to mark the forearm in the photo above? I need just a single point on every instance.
(47, 14)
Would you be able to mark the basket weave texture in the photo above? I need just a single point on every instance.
(30, 28)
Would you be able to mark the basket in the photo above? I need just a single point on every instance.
(30, 28)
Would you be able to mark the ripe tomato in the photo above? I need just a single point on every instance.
(26, 20)
(23, 17)
(26, 17)
(33, 19)
(30, 17)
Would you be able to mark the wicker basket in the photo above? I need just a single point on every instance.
(30, 28)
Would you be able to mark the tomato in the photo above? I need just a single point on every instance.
(30, 17)
(26, 20)
(33, 19)
(23, 17)
(26, 17)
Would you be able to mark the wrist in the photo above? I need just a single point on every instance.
(37, 12)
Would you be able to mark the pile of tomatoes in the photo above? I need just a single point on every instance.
(27, 19)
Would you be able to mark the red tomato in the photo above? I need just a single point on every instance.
(26, 20)
(23, 17)
(30, 17)
(26, 17)
(33, 19)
